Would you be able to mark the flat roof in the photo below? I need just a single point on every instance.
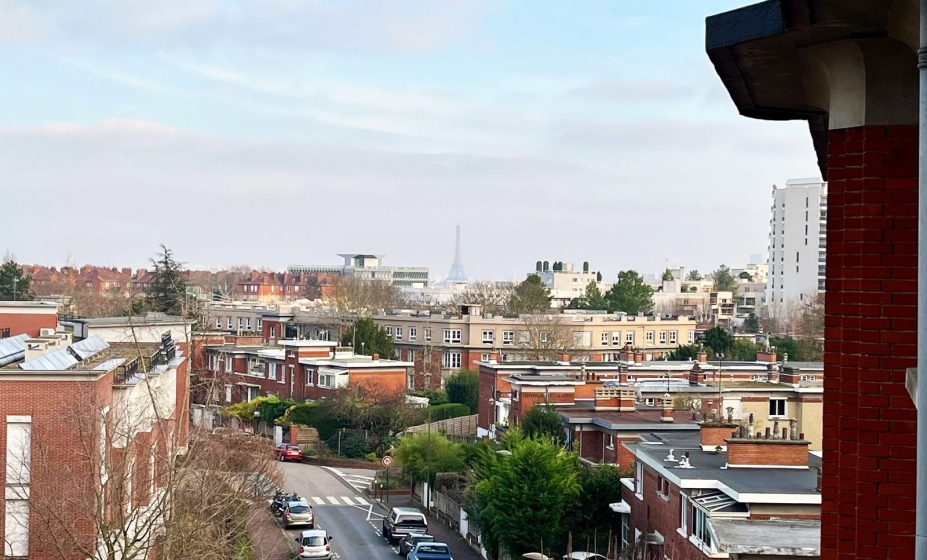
(641, 419)
(37, 303)
(144, 319)
(783, 537)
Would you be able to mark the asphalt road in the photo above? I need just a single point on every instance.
(354, 536)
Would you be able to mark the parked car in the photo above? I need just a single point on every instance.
(315, 543)
(298, 513)
(430, 551)
(285, 452)
(409, 541)
(401, 521)
(584, 556)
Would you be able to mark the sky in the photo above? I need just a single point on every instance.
(276, 132)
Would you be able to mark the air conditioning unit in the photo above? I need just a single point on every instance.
(46, 332)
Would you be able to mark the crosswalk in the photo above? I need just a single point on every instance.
(338, 501)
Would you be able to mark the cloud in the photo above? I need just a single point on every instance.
(632, 90)
(267, 24)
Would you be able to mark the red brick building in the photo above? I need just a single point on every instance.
(27, 317)
(850, 69)
(302, 370)
(281, 286)
(756, 497)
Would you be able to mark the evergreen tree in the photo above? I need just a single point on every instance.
(464, 387)
(667, 275)
(531, 296)
(592, 299)
(368, 338)
(630, 294)
(543, 421)
(723, 281)
(751, 324)
(167, 291)
(693, 276)
(14, 284)
(719, 340)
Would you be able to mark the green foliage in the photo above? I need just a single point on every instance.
(591, 299)
(521, 499)
(217, 294)
(744, 275)
(244, 410)
(751, 324)
(667, 275)
(306, 414)
(798, 350)
(693, 276)
(435, 396)
(354, 446)
(683, 353)
(743, 350)
(530, 296)
(464, 387)
(14, 284)
(371, 457)
(543, 422)
(370, 339)
(723, 281)
(447, 411)
(424, 455)
(718, 339)
(167, 291)
(630, 294)
(589, 510)
(273, 408)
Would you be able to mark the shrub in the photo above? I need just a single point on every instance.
(274, 408)
(464, 387)
(434, 396)
(306, 414)
(447, 411)
(372, 457)
(354, 446)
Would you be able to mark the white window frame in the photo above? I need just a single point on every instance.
(508, 338)
(629, 337)
(684, 514)
(451, 360)
(610, 442)
(273, 332)
(616, 338)
(489, 336)
(228, 363)
(427, 335)
(398, 333)
(228, 393)
(247, 323)
(241, 323)
(411, 356)
(260, 323)
(218, 322)
(662, 337)
(604, 338)
(389, 331)
(413, 333)
(272, 371)
(485, 357)
(649, 338)
(785, 407)
(545, 337)
(691, 336)
(452, 336)
(639, 479)
(673, 337)
(410, 381)
(229, 323)
(309, 371)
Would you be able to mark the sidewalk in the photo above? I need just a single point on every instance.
(460, 548)
(269, 541)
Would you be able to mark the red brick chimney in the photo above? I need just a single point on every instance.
(696, 374)
(714, 434)
(702, 357)
(563, 357)
(494, 357)
(127, 271)
(768, 356)
(376, 357)
(638, 358)
(773, 452)
(614, 398)
(666, 414)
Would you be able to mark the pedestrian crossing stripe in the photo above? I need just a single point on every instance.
(318, 501)
(334, 501)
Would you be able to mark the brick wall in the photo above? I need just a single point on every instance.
(870, 335)
(27, 323)
(655, 513)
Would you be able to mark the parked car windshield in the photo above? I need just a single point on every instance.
(314, 541)
(293, 447)
(410, 520)
(299, 509)
(432, 549)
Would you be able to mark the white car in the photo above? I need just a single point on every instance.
(315, 543)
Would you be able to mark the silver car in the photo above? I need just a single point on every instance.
(298, 513)
(315, 543)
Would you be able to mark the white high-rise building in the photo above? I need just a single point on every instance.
(797, 233)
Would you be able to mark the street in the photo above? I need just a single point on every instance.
(342, 509)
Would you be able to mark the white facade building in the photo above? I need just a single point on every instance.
(797, 234)
(370, 267)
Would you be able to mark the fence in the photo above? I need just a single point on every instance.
(462, 426)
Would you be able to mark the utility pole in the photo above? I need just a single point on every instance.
(15, 282)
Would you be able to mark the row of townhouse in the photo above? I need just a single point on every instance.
(87, 429)
(439, 345)
(244, 368)
(604, 404)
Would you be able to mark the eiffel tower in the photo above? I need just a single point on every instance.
(457, 273)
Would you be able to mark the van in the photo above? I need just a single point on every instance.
(401, 521)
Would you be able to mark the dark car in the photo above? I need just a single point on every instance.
(430, 551)
(286, 452)
(401, 521)
(409, 541)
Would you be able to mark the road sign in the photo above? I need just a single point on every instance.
(387, 460)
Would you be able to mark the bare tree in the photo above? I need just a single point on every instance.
(546, 337)
(356, 297)
(492, 296)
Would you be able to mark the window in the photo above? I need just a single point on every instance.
(625, 532)
(218, 322)
(610, 443)
(228, 393)
(663, 488)
(700, 527)
(398, 333)
(260, 323)
(662, 337)
(241, 323)
(16, 528)
(604, 339)
(484, 357)
(616, 338)
(272, 371)
(249, 393)
(452, 335)
(639, 478)
(248, 323)
(327, 380)
(545, 337)
(229, 323)
(684, 514)
(649, 337)
(777, 407)
(508, 337)
(291, 377)
(212, 362)
(488, 337)
(410, 381)
(282, 378)
(673, 336)
(413, 333)
(451, 360)
(228, 364)
(629, 337)
(411, 355)
(389, 331)
(273, 332)
(427, 334)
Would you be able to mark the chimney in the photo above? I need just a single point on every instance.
(376, 357)
(493, 357)
(666, 414)
(614, 398)
(702, 357)
(696, 375)
(768, 355)
(768, 452)
(127, 271)
(564, 357)
(638, 358)
(714, 434)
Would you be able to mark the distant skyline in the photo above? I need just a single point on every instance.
(282, 132)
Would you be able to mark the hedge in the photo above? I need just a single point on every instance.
(309, 414)
(448, 411)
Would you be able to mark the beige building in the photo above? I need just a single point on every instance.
(568, 283)
(442, 344)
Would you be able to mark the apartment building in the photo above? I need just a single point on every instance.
(722, 492)
(439, 345)
(750, 298)
(567, 283)
(304, 370)
(797, 247)
(270, 287)
(369, 267)
(81, 420)
(27, 317)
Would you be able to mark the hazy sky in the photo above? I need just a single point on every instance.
(272, 132)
